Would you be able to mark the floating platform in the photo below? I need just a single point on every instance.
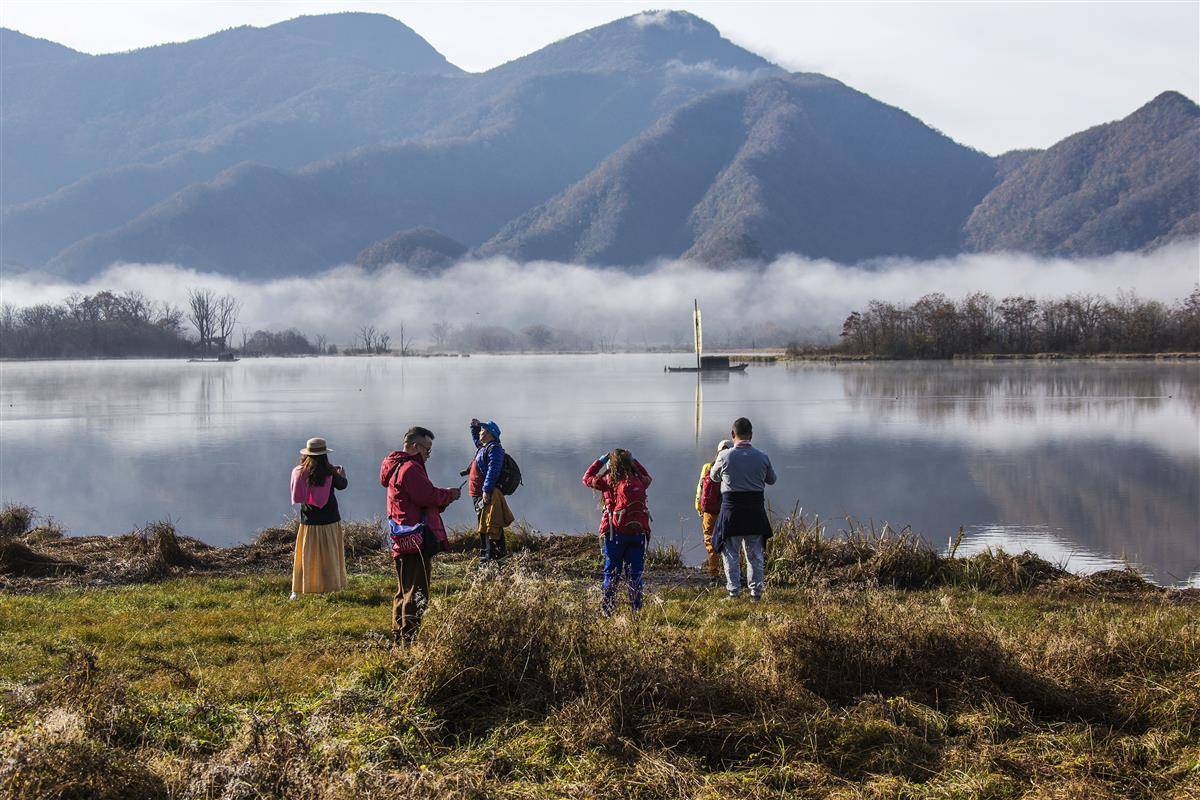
(711, 364)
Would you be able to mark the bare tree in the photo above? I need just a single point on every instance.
(383, 341)
(405, 342)
(441, 333)
(607, 341)
(539, 336)
(320, 342)
(228, 308)
(367, 335)
(202, 311)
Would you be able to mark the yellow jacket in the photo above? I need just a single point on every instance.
(495, 516)
(700, 486)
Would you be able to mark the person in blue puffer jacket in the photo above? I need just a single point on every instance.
(482, 479)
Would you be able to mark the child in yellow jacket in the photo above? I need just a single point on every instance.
(708, 506)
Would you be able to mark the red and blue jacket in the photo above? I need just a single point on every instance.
(485, 467)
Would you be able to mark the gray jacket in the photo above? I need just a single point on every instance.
(742, 468)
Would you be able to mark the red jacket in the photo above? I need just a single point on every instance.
(601, 484)
(411, 497)
(710, 495)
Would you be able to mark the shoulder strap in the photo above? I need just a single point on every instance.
(392, 474)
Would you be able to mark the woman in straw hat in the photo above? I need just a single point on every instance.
(320, 561)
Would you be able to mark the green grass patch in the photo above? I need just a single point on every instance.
(220, 686)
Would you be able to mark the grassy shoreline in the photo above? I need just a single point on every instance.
(873, 671)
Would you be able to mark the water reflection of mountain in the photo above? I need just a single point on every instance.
(1122, 501)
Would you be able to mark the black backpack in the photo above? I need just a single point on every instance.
(510, 476)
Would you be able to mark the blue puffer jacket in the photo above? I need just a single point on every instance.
(489, 460)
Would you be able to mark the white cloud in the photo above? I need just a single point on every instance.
(810, 296)
(706, 70)
(653, 19)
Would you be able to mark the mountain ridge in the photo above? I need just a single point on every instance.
(1116, 186)
(651, 136)
(435, 106)
(739, 145)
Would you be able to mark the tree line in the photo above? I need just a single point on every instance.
(938, 327)
(104, 324)
(129, 324)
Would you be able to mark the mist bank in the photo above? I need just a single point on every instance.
(792, 299)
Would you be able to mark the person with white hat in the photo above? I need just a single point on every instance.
(708, 506)
(319, 564)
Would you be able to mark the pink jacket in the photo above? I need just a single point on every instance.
(304, 492)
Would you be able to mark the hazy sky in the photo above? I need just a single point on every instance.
(996, 76)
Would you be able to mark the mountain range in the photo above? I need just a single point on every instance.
(328, 139)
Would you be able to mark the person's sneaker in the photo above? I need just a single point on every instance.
(754, 598)
(294, 596)
(731, 596)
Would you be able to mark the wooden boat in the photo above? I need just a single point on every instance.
(727, 367)
(705, 363)
(222, 358)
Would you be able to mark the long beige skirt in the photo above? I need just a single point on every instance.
(320, 561)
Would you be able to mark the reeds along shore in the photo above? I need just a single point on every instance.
(881, 669)
(37, 555)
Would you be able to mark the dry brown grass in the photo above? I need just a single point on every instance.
(802, 553)
(517, 688)
(879, 669)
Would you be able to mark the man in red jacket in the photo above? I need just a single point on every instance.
(412, 499)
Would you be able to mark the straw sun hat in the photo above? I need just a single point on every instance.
(315, 447)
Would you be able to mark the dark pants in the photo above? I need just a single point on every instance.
(412, 595)
(492, 548)
(622, 555)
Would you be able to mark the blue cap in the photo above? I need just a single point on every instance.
(491, 427)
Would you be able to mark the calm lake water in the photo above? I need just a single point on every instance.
(1085, 463)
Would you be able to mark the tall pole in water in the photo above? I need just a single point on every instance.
(696, 329)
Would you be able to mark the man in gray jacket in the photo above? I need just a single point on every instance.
(744, 472)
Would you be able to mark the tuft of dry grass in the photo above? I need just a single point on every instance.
(153, 552)
(802, 554)
(59, 759)
(15, 521)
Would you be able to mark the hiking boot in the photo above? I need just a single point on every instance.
(485, 549)
(499, 548)
(731, 596)
(755, 598)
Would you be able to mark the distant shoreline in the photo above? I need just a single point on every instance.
(754, 357)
